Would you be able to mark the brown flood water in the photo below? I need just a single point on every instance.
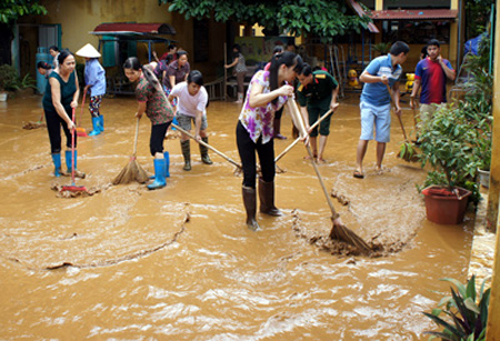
(136, 271)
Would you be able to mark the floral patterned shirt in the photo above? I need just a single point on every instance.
(158, 109)
(260, 120)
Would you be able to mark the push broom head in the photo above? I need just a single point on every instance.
(80, 131)
(73, 189)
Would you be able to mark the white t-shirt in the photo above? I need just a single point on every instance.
(188, 105)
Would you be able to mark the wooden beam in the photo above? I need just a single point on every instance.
(493, 329)
(494, 190)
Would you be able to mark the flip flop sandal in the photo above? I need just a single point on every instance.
(358, 175)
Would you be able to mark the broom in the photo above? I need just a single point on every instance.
(133, 170)
(339, 230)
(80, 130)
(34, 125)
(407, 150)
(73, 187)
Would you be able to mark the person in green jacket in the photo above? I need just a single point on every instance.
(317, 93)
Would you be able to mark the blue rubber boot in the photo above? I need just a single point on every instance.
(167, 164)
(175, 122)
(78, 174)
(96, 125)
(159, 182)
(56, 158)
(101, 120)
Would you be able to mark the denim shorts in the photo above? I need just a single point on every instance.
(185, 121)
(380, 117)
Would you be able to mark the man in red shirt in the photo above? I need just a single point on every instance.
(430, 75)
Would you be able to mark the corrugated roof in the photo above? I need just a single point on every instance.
(414, 14)
(359, 10)
(151, 28)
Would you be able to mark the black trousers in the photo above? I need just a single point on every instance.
(247, 149)
(158, 132)
(54, 123)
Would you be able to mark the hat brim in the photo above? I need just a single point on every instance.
(88, 51)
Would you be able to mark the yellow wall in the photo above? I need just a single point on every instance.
(79, 17)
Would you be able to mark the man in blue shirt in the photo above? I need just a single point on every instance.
(95, 80)
(381, 73)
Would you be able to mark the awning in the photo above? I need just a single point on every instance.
(360, 11)
(134, 28)
(415, 14)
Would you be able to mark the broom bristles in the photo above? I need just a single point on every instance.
(132, 171)
(342, 233)
(33, 125)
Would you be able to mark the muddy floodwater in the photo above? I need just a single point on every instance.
(179, 263)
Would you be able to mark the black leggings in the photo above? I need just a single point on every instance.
(54, 123)
(247, 148)
(158, 132)
(278, 113)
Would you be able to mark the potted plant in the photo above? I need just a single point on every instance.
(381, 48)
(9, 80)
(464, 314)
(446, 143)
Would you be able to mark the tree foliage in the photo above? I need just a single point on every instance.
(11, 10)
(322, 18)
(477, 16)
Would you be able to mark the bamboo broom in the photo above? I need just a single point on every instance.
(407, 150)
(133, 170)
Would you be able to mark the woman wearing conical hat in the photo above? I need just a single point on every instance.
(95, 81)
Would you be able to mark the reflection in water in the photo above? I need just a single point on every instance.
(217, 280)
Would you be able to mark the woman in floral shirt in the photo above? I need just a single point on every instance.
(158, 110)
(267, 93)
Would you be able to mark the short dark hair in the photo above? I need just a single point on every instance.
(55, 48)
(196, 77)
(433, 42)
(180, 53)
(237, 47)
(398, 47)
(171, 47)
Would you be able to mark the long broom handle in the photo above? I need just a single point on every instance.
(73, 161)
(321, 119)
(335, 215)
(294, 112)
(399, 116)
(206, 145)
(136, 137)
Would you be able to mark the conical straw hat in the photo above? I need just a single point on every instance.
(88, 51)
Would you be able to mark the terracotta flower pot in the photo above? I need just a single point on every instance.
(445, 207)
